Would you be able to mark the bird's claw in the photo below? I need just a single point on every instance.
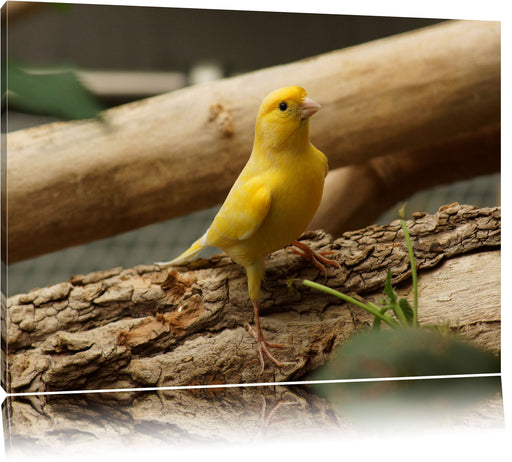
(317, 258)
(263, 348)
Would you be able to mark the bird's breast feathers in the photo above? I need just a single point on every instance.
(267, 208)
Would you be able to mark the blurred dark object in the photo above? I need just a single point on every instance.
(409, 406)
(406, 352)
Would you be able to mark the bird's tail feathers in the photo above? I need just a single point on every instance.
(189, 254)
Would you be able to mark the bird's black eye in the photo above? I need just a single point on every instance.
(283, 106)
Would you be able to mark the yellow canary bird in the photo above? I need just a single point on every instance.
(273, 199)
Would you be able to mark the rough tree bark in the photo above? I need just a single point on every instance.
(146, 327)
(70, 183)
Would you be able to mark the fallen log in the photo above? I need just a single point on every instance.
(163, 157)
(147, 327)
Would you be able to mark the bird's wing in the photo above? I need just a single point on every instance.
(241, 215)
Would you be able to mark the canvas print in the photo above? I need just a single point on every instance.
(207, 198)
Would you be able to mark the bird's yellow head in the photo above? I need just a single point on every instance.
(283, 117)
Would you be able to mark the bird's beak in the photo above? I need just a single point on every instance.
(308, 107)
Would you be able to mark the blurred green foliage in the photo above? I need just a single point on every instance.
(406, 352)
(388, 406)
(54, 91)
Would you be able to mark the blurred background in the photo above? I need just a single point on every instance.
(127, 53)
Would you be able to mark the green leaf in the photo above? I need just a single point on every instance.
(55, 92)
(407, 310)
(377, 320)
(376, 323)
(3, 81)
(62, 7)
(388, 289)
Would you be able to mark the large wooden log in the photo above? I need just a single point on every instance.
(355, 196)
(70, 183)
(147, 327)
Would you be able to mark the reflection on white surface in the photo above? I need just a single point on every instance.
(137, 423)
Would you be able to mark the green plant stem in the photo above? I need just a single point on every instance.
(413, 271)
(399, 313)
(370, 307)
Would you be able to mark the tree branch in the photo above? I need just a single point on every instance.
(144, 326)
(355, 196)
(70, 183)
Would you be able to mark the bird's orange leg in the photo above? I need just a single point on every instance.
(263, 345)
(317, 258)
